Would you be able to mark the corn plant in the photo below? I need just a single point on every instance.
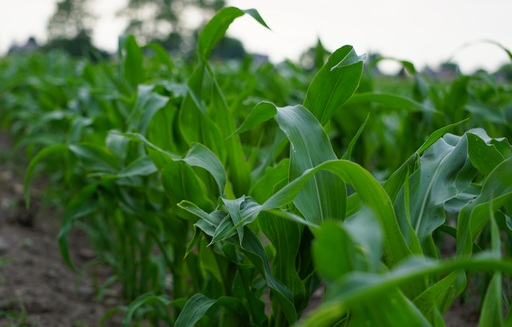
(227, 195)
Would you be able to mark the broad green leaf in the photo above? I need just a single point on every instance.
(201, 156)
(117, 144)
(445, 171)
(324, 196)
(335, 252)
(361, 288)
(364, 229)
(397, 179)
(483, 154)
(496, 192)
(437, 135)
(334, 83)
(371, 193)
(197, 156)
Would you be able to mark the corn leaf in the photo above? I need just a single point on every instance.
(215, 29)
(334, 83)
(445, 172)
(324, 196)
(198, 306)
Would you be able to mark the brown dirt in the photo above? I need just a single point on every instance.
(36, 287)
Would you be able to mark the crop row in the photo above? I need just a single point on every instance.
(228, 194)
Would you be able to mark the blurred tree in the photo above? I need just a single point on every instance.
(229, 49)
(165, 19)
(71, 18)
(70, 29)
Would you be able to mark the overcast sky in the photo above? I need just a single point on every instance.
(422, 31)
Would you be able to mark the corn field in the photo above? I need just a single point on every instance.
(227, 194)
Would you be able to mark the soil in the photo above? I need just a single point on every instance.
(37, 288)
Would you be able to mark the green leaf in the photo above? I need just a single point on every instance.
(146, 105)
(216, 28)
(261, 113)
(438, 297)
(445, 172)
(132, 64)
(97, 157)
(142, 166)
(496, 192)
(324, 196)
(483, 154)
(144, 299)
(334, 252)
(253, 249)
(354, 139)
(256, 15)
(237, 163)
(270, 181)
(198, 305)
(491, 312)
(285, 236)
(194, 124)
(233, 208)
(397, 179)
(81, 205)
(200, 156)
(371, 193)
(43, 154)
(360, 288)
(334, 83)
(390, 101)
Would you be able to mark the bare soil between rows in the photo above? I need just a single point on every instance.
(37, 288)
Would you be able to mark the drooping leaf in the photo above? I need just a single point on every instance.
(216, 28)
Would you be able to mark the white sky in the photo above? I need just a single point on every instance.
(422, 31)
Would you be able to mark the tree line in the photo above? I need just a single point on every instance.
(166, 22)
